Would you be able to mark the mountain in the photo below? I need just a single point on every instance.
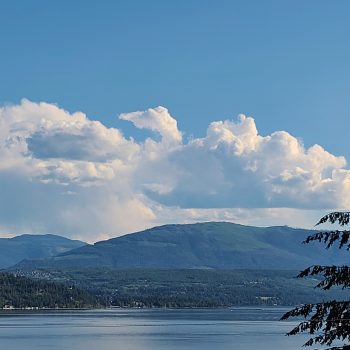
(210, 245)
(13, 250)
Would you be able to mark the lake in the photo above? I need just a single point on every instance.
(154, 329)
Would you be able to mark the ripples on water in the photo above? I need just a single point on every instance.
(157, 329)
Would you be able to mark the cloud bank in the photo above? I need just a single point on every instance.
(63, 173)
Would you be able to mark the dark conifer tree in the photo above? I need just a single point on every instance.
(327, 322)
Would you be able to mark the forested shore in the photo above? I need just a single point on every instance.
(19, 292)
(187, 288)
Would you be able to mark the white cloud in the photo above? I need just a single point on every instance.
(156, 119)
(233, 166)
(63, 173)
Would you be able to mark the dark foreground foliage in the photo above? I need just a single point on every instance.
(23, 292)
(327, 322)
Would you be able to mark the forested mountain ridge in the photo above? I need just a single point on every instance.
(29, 246)
(213, 245)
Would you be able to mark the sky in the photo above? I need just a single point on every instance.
(121, 115)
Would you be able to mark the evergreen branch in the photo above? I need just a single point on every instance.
(330, 237)
(331, 318)
(333, 275)
(342, 218)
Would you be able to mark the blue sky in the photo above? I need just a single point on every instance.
(286, 63)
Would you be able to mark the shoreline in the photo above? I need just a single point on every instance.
(115, 308)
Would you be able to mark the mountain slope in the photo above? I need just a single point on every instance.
(14, 250)
(217, 245)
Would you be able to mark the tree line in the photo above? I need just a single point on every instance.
(23, 292)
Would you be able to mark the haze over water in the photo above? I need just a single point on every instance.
(220, 329)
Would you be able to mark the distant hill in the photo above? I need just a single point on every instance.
(211, 245)
(13, 250)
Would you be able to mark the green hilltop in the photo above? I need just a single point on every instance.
(210, 245)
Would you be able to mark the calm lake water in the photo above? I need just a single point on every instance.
(223, 329)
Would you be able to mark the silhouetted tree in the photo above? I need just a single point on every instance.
(329, 321)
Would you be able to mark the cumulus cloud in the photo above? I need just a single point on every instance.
(61, 172)
(156, 119)
(234, 166)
